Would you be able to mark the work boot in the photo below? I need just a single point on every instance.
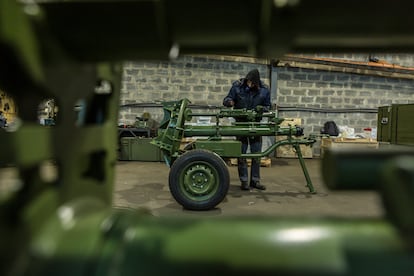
(257, 185)
(244, 186)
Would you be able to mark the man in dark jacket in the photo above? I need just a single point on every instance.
(249, 93)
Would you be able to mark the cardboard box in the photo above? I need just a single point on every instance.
(292, 122)
(288, 151)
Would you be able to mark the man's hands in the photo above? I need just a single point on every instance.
(228, 102)
(259, 109)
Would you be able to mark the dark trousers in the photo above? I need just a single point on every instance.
(255, 143)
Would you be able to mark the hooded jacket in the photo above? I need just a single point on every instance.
(243, 97)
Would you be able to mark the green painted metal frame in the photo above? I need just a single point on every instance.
(173, 129)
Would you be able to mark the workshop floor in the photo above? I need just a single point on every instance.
(145, 185)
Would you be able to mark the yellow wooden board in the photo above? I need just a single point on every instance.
(264, 162)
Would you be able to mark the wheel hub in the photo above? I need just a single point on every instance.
(199, 180)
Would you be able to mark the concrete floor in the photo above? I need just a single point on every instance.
(145, 185)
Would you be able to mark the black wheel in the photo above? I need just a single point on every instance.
(199, 180)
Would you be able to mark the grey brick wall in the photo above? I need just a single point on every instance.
(348, 99)
(316, 96)
(203, 80)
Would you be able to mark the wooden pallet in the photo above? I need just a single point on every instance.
(264, 162)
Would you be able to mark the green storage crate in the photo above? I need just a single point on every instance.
(404, 130)
(139, 149)
(384, 124)
(395, 124)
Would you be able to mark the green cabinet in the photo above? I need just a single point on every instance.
(395, 124)
(384, 124)
(139, 149)
(404, 132)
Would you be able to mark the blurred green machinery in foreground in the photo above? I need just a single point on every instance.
(63, 224)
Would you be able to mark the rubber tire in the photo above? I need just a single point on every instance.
(212, 169)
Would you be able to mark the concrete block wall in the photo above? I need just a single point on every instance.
(316, 96)
(205, 81)
(338, 96)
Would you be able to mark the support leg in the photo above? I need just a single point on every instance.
(304, 169)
